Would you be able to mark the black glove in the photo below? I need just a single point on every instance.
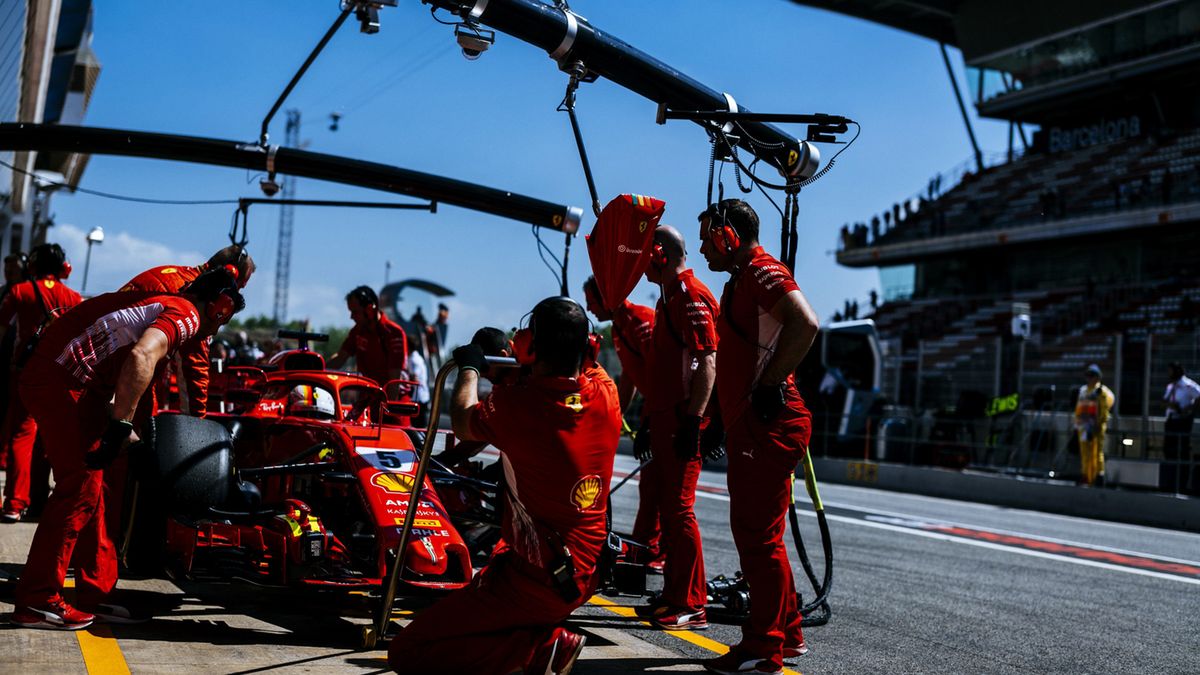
(769, 400)
(470, 357)
(687, 437)
(712, 441)
(114, 437)
(641, 441)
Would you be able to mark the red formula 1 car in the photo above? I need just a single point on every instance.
(304, 479)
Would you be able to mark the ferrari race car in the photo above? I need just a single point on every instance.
(303, 479)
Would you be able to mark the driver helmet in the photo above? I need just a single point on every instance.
(306, 400)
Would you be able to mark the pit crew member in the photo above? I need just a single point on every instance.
(193, 363)
(34, 304)
(557, 432)
(766, 327)
(679, 384)
(92, 367)
(378, 344)
(633, 337)
(1093, 405)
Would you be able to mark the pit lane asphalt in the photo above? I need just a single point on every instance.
(905, 600)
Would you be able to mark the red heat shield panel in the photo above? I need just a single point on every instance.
(619, 245)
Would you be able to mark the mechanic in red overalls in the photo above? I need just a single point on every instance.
(766, 328)
(193, 361)
(34, 303)
(557, 431)
(681, 377)
(633, 337)
(378, 344)
(91, 368)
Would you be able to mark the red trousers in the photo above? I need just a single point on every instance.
(493, 626)
(646, 528)
(71, 531)
(24, 462)
(762, 458)
(683, 570)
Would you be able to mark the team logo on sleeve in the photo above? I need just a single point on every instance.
(396, 483)
(574, 402)
(169, 270)
(585, 495)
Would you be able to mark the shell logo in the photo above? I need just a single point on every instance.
(586, 493)
(396, 483)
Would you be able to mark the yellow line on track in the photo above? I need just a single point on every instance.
(685, 635)
(101, 653)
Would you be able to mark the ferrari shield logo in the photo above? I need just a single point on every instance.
(396, 483)
(574, 402)
(586, 493)
(792, 157)
(169, 270)
(642, 226)
(557, 220)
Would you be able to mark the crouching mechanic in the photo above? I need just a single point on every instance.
(92, 367)
(557, 431)
(192, 362)
(766, 327)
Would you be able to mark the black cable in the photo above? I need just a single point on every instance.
(543, 249)
(124, 198)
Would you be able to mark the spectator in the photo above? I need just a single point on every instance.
(874, 300)
(875, 231)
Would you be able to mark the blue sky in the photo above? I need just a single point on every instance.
(409, 98)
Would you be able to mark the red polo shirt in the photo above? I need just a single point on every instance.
(633, 336)
(194, 356)
(558, 438)
(23, 303)
(748, 332)
(87, 346)
(685, 322)
(378, 350)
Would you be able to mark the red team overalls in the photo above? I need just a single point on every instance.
(72, 376)
(378, 350)
(684, 323)
(30, 308)
(761, 455)
(558, 439)
(633, 337)
(193, 360)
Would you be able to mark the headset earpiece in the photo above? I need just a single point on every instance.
(220, 308)
(65, 270)
(522, 346)
(658, 256)
(722, 235)
(232, 272)
(591, 354)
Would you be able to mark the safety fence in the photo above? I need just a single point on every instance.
(1030, 443)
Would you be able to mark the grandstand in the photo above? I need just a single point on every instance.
(1089, 226)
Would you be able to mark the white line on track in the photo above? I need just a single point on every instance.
(982, 544)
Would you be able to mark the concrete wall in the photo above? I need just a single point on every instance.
(1126, 506)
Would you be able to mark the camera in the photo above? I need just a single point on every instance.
(269, 187)
(473, 40)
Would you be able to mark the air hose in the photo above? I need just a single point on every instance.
(817, 612)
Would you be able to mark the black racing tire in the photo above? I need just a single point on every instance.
(189, 463)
